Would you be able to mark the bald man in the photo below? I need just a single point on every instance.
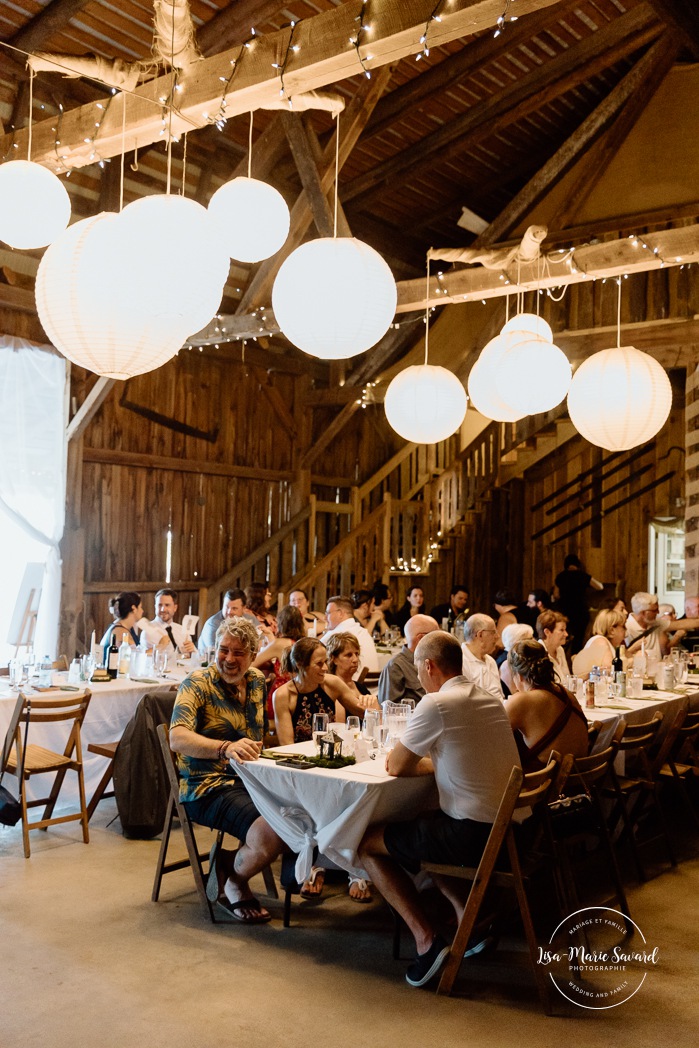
(399, 679)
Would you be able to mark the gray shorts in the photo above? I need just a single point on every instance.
(436, 837)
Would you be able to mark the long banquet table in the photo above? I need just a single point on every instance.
(111, 708)
(330, 809)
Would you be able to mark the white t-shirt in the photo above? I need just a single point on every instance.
(368, 659)
(651, 643)
(483, 672)
(560, 662)
(466, 733)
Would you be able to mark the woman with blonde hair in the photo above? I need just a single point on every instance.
(608, 634)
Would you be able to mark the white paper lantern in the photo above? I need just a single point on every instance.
(34, 205)
(334, 297)
(482, 384)
(251, 218)
(529, 323)
(619, 398)
(177, 263)
(425, 403)
(533, 374)
(81, 298)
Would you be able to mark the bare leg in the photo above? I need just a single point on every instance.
(261, 847)
(396, 886)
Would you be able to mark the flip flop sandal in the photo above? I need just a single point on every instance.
(317, 874)
(235, 910)
(363, 886)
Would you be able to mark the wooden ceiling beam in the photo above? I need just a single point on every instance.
(324, 57)
(49, 20)
(232, 25)
(655, 63)
(683, 17)
(580, 61)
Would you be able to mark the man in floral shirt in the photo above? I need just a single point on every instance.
(220, 719)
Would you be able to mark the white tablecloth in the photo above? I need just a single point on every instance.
(331, 809)
(111, 708)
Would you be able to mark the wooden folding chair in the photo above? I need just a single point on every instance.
(108, 750)
(678, 760)
(38, 760)
(522, 791)
(175, 809)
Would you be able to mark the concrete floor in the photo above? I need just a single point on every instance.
(88, 959)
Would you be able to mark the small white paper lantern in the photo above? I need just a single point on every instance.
(82, 301)
(34, 205)
(619, 398)
(533, 374)
(251, 217)
(425, 403)
(334, 297)
(482, 384)
(529, 323)
(177, 264)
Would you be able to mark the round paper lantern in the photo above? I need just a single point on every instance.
(482, 384)
(619, 398)
(34, 205)
(533, 374)
(82, 301)
(334, 297)
(425, 403)
(177, 263)
(529, 323)
(251, 218)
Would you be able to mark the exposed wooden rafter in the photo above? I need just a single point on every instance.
(683, 17)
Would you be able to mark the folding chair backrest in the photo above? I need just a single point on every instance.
(169, 758)
(641, 736)
(589, 770)
(537, 785)
(11, 731)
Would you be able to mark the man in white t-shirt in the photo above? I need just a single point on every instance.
(479, 666)
(340, 615)
(461, 734)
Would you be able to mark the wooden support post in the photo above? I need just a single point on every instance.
(691, 492)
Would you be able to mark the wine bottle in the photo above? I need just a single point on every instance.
(113, 658)
(617, 664)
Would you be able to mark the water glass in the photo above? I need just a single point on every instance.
(383, 735)
(160, 662)
(18, 677)
(601, 691)
(319, 727)
(370, 725)
(353, 727)
(634, 686)
(75, 672)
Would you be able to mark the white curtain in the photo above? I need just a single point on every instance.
(33, 409)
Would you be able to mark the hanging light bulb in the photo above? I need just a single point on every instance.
(334, 297)
(425, 403)
(619, 398)
(251, 218)
(34, 205)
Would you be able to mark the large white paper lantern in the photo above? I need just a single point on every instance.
(177, 264)
(533, 374)
(34, 205)
(482, 384)
(425, 403)
(82, 291)
(251, 218)
(334, 297)
(619, 398)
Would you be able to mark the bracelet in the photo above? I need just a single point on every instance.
(222, 750)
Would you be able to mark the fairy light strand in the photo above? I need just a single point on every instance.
(291, 49)
(434, 16)
(503, 19)
(357, 40)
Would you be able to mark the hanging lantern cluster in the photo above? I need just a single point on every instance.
(520, 372)
(113, 293)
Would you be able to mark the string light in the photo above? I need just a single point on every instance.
(434, 17)
(503, 19)
(220, 118)
(356, 40)
(638, 241)
(281, 66)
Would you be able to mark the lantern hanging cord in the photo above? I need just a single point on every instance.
(427, 309)
(250, 145)
(184, 165)
(618, 316)
(31, 107)
(337, 170)
(123, 152)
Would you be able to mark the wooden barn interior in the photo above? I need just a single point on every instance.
(249, 459)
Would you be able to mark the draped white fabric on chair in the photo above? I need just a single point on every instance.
(33, 405)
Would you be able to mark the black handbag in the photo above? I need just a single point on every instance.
(10, 807)
(573, 815)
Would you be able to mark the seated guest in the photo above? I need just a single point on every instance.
(511, 635)
(127, 610)
(479, 666)
(383, 599)
(644, 615)
(233, 607)
(343, 661)
(456, 608)
(399, 679)
(258, 600)
(414, 605)
(314, 620)
(460, 734)
(310, 690)
(366, 614)
(505, 603)
(544, 716)
(608, 632)
(290, 628)
(340, 615)
(538, 600)
(219, 717)
(552, 633)
(162, 631)
(668, 615)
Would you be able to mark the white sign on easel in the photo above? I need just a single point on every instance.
(21, 631)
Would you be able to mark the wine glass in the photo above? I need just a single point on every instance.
(319, 728)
